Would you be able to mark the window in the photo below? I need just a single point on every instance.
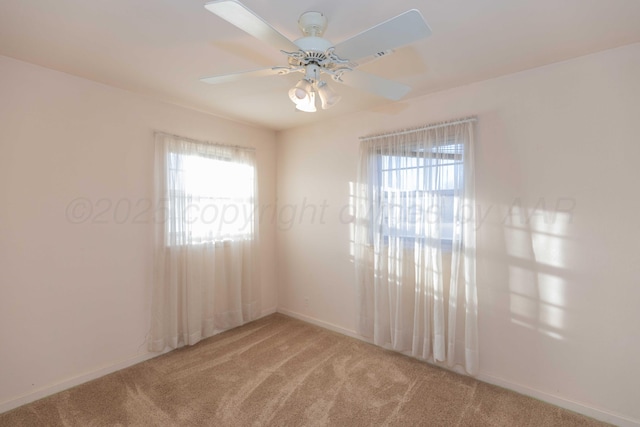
(417, 192)
(205, 275)
(216, 198)
(414, 234)
(209, 193)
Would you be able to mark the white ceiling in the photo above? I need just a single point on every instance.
(160, 48)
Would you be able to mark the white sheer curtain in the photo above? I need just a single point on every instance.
(415, 243)
(205, 256)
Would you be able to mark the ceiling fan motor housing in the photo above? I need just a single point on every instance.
(313, 45)
(314, 49)
(312, 24)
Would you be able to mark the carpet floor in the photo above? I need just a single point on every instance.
(279, 371)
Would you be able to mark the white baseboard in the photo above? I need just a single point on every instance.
(88, 376)
(578, 407)
(268, 311)
(74, 381)
(581, 408)
(321, 323)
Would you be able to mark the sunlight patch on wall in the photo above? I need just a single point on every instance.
(535, 241)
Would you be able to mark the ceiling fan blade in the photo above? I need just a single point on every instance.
(237, 14)
(227, 78)
(399, 31)
(374, 84)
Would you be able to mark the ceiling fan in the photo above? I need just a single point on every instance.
(314, 55)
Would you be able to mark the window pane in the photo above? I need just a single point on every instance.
(417, 192)
(215, 200)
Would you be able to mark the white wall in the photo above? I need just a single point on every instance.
(74, 298)
(558, 261)
(558, 294)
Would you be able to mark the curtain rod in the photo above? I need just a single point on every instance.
(239, 147)
(428, 127)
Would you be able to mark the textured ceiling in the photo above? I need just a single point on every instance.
(160, 48)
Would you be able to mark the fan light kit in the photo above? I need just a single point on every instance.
(315, 56)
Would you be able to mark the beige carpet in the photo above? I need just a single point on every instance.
(279, 371)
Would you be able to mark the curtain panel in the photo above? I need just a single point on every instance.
(415, 243)
(205, 277)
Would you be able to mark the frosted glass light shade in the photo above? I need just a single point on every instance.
(301, 91)
(328, 96)
(308, 105)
